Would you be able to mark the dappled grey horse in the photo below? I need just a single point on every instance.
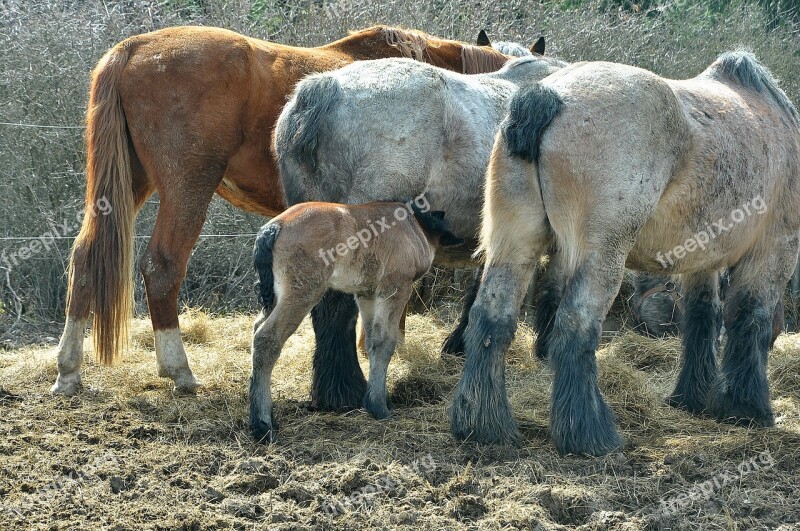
(605, 165)
(385, 129)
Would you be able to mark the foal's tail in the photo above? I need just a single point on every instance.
(298, 130)
(105, 242)
(263, 257)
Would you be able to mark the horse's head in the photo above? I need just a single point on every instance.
(513, 49)
(384, 41)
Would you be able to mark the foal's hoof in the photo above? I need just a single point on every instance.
(263, 432)
(722, 407)
(66, 386)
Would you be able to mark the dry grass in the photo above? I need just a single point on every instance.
(127, 453)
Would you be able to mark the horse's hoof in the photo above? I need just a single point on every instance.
(263, 432)
(379, 408)
(749, 414)
(66, 386)
(599, 442)
(454, 344)
(186, 386)
(342, 398)
(481, 421)
(687, 402)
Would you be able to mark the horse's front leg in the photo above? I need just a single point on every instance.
(480, 409)
(701, 325)
(338, 382)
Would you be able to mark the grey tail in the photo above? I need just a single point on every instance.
(298, 133)
(531, 110)
(263, 257)
(746, 69)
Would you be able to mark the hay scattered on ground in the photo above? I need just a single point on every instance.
(127, 453)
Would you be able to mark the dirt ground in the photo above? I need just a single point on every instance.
(127, 454)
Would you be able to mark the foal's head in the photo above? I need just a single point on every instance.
(435, 228)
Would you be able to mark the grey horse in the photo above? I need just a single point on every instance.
(605, 166)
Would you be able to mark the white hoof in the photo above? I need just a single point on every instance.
(67, 386)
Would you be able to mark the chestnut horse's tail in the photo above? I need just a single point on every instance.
(105, 241)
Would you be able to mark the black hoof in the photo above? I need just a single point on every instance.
(454, 343)
(692, 402)
(263, 432)
(340, 398)
(483, 421)
(742, 413)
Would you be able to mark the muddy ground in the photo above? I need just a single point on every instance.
(127, 454)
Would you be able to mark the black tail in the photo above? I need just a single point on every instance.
(262, 256)
(299, 127)
(530, 112)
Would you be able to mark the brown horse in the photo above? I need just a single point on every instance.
(186, 112)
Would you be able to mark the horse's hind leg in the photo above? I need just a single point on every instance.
(580, 420)
(70, 348)
(381, 318)
(551, 291)
(180, 219)
(741, 392)
(454, 342)
(702, 320)
(272, 331)
(338, 382)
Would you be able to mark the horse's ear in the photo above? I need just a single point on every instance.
(538, 46)
(483, 39)
(448, 239)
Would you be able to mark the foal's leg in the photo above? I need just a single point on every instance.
(550, 292)
(701, 326)
(271, 333)
(454, 342)
(741, 392)
(382, 322)
(338, 382)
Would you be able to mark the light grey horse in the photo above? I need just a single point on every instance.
(397, 128)
(384, 129)
(610, 165)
